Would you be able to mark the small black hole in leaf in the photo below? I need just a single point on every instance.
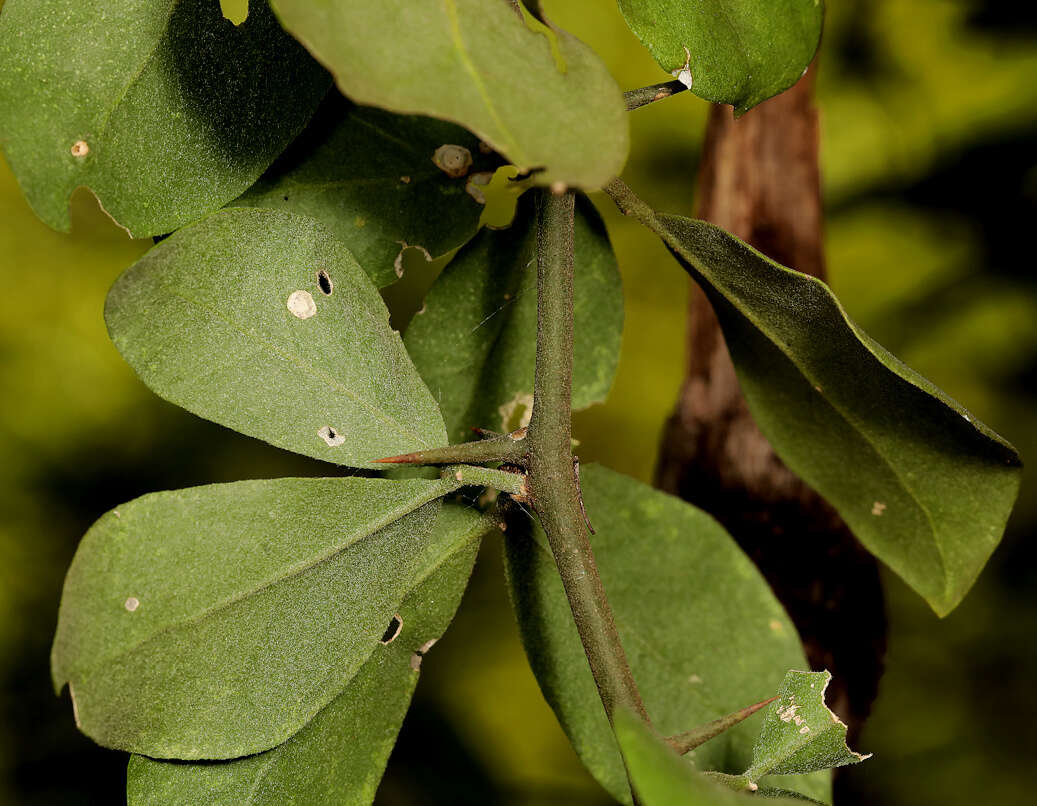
(392, 632)
(285, 198)
(324, 281)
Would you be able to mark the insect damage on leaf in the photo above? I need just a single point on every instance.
(800, 733)
(301, 304)
(453, 160)
(331, 436)
(392, 632)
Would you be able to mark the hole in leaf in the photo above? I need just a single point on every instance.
(324, 281)
(392, 632)
(235, 10)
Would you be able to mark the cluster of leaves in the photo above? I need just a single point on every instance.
(278, 627)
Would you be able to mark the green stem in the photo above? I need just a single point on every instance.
(554, 493)
(473, 476)
(500, 448)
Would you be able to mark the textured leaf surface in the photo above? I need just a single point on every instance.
(369, 176)
(737, 52)
(662, 778)
(703, 632)
(475, 62)
(799, 733)
(340, 755)
(161, 107)
(230, 319)
(921, 483)
(216, 621)
(474, 342)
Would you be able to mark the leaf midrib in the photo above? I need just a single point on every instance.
(470, 68)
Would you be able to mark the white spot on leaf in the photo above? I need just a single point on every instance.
(80, 148)
(301, 304)
(453, 160)
(878, 508)
(132, 603)
(331, 436)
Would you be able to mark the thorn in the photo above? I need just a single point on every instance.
(402, 459)
(485, 433)
(579, 494)
(686, 742)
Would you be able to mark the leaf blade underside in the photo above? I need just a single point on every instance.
(230, 319)
(931, 487)
(216, 621)
(474, 341)
(475, 63)
(341, 754)
(370, 177)
(168, 114)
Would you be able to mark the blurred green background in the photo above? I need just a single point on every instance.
(930, 171)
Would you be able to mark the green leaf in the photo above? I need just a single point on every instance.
(702, 630)
(476, 63)
(799, 733)
(738, 52)
(231, 319)
(370, 177)
(474, 341)
(216, 621)
(163, 108)
(340, 755)
(930, 487)
(662, 778)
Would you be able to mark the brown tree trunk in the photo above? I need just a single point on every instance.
(759, 179)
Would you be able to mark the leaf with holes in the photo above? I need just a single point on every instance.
(662, 778)
(931, 487)
(665, 565)
(261, 321)
(167, 113)
(474, 341)
(543, 99)
(799, 733)
(340, 755)
(217, 621)
(381, 182)
(738, 52)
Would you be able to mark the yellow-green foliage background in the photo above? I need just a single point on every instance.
(929, 142)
